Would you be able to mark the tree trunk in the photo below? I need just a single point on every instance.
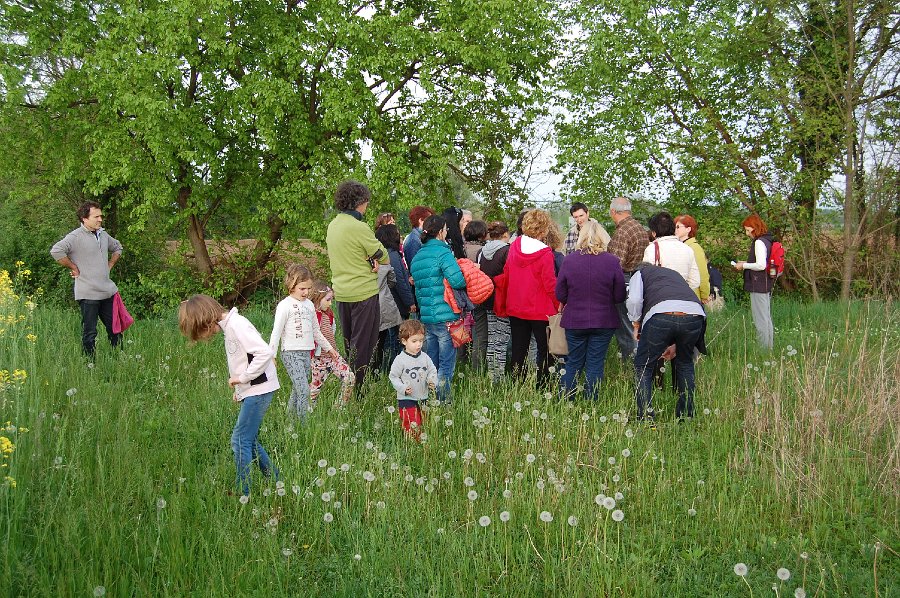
(851, 224)
(195, 235)
(255, 272)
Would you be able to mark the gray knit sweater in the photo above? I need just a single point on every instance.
(415, 372)
(91, 254)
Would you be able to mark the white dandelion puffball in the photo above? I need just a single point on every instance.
(287, 551)
(618, 496)
(626, 453)
(540, 484)
(610, 503)
(323, 463)
(468, 481)
(160, 503)
(326, 496)
(368, 476)
(71, 393)
(244, 499)
(629, 433)
(530, 458)
(612, 460)
(440, 530)
(562, 371)
(573, 521)
(295, 489)
(706, 411)
(99, 591)
(328, 517)
(599, 499)
(484, 521)
(345, 467)
(380, 504)
(446, 475)
(585, 417)
(452, 454)
(799, 593)
(507, 493)
(357, 557)
(472, 495)
(740, 569)
(783, 574)
(330, 471)
(692, 511)
(546, 516)
(618, 515)
(504, 516)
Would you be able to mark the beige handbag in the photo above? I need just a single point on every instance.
(556, 336)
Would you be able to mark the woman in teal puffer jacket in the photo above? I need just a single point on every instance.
(433, 263)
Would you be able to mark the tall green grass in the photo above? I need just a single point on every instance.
(122, 479)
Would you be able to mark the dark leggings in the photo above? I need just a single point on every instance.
(520, 332)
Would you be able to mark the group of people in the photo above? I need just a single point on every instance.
(646, 289)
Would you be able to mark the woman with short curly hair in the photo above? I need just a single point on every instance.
(531, 296)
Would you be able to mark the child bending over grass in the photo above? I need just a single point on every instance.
(251, 369)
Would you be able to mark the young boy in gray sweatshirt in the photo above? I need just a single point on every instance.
(413, 375)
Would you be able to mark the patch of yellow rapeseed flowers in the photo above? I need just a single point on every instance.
(7, 448)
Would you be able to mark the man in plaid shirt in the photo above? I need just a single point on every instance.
(580, 213)
(628, 243)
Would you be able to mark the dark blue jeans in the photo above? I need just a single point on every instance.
(587, 351)
(658, 333)
(91, 310)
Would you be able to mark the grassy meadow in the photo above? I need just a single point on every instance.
(117, 475)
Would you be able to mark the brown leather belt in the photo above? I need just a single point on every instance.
(676, 313)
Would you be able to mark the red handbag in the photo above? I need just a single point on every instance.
(459, 334)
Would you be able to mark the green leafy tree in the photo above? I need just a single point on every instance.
(237, 119)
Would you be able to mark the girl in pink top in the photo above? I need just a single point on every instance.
(251, 369)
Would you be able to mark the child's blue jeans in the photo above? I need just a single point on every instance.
(245, 440)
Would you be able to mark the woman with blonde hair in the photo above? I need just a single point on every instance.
(590, 284)
(531, 296)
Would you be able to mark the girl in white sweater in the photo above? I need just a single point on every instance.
(252, 375)
(296, 328)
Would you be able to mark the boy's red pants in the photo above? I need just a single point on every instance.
(410, 416)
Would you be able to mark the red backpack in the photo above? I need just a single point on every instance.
(776, 260)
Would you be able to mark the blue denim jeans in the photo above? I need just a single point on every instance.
(245, 440)
(658, 333)
(587, 351)
(440, 349)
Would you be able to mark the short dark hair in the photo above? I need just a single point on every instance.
(419, 213)
(661, 224)
(432, 226)
(578, 206)
(411, 327)
(350, 195)
(389, 235)
(497, 229)
(475, 231)
(84, 210)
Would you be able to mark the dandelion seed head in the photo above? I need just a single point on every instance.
(328, 517)
(99, 591)
(323, 463)
(504, 516)
(345, 467)
(507, 493)
(783, 574)
(287, 551)
(331, 471)
(626, 453)
(799, 593)
(609, 503)
(546, 516)
(484, 521)
(530, 458)
(740, 569)
(618, 515)
(357, 557)
(692, 512)
(472, 495)
(572, 521)
(244, 499)
(618, 496)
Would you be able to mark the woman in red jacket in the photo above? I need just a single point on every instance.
(531, 296)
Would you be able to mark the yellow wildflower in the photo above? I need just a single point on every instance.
(30, 337)
(19, 376)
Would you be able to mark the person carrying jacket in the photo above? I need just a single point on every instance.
(434, 263)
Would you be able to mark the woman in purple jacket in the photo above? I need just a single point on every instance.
(590, 284)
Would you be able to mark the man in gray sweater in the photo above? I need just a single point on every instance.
(90, 253)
